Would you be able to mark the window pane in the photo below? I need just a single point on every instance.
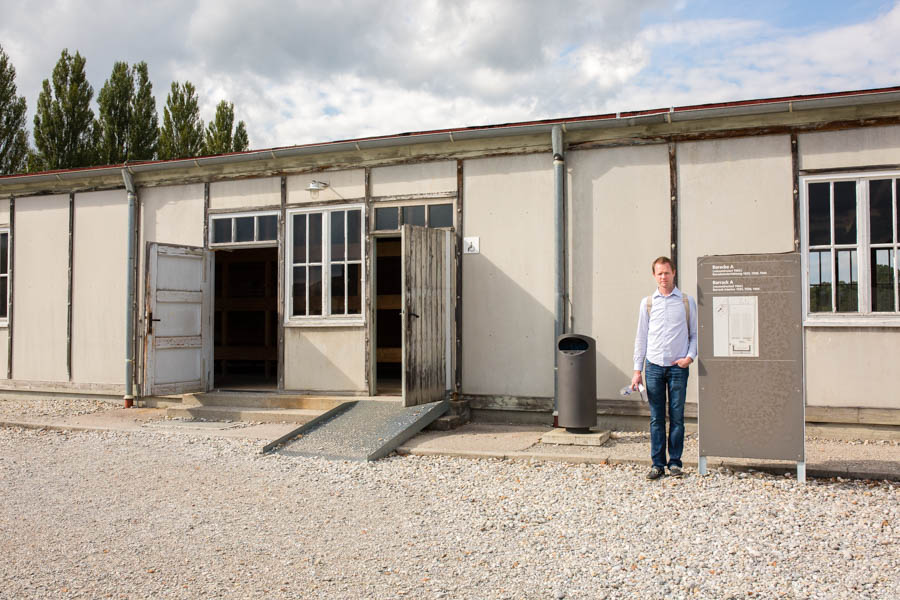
(354, 286)
(267, 227)
(440, 215)
(299, 239)
(243, 229)
(221, 231)
(881, 214)
(354, 234)
(414, 215)
(847, 281)
(299, 292)
(882, 280)
(4, 253)
(386, 218)
(845, 212)
(819, 214)
(820, 281)
(315, 240)
(337, 290)
(315, 289)
(4, 282)
(337, 235)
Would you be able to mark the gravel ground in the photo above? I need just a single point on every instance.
(35, 406)
(153, 515)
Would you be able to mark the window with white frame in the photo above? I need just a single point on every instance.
(437, 215)
(4, 274)
(243, 228)
(325, 263)
(853, 244)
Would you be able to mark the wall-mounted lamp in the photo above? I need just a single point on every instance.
(315, 187)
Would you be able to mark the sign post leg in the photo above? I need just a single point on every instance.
(801, 472)
(701, 465)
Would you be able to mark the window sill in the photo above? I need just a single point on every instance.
(325, 323)
(888, 320)
(243, 245)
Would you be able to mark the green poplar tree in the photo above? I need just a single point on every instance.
(128, 124)
(181, 135)
(241, 141)
(221, 135)
(64, 130)
(13, 135)
(115, 104)
(143, 136)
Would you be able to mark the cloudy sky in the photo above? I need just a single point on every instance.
(313, 71)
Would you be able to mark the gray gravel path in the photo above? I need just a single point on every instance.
(37, 406)
(152, 515)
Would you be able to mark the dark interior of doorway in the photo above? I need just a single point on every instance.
(246, 319)
(388, 324)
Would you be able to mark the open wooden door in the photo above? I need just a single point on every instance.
(426, 306)
(177, 319)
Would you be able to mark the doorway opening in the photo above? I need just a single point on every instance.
(246, 319)
(388, 322)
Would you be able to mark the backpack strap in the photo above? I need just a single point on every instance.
(687, 309)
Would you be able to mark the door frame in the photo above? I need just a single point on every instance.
(372, 316)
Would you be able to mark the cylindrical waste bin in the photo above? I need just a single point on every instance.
(576, 382)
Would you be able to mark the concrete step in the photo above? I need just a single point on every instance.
(274, 400)
(241, 413)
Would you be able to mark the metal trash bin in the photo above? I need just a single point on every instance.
(576, 382)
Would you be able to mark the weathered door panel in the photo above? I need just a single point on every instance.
(425, 280)
(177, 320)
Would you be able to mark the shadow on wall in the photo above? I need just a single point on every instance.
(508, 331)
(416, 176)
(733, 150)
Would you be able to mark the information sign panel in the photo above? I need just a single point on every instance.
(750, 356)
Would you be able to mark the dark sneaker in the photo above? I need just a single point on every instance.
(675, 471)
(655, 473)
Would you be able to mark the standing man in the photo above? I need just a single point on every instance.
(667, 339)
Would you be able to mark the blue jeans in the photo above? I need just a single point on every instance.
(661, 380)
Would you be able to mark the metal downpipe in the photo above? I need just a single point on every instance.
(559, 222)
(129, 285)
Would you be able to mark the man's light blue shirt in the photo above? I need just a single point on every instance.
(664, 336)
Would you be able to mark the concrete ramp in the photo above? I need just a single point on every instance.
(359, 430)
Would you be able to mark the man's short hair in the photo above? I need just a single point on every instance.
(662, 260)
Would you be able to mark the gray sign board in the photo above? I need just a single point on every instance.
(751, 356)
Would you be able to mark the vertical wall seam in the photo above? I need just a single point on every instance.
(69, 290)
(211, 369)
(137, 355)
(11, 287)
(460, 183)
(206, 216)
(795, 178)
(673, 204)
(280, 278)
(369, 246)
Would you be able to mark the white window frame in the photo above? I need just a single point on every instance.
(864, 317)
(235, 215)
(4, 321)
(326, 318)
(401, 204)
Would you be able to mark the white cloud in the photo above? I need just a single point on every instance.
(302, 72)
(745, 61)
